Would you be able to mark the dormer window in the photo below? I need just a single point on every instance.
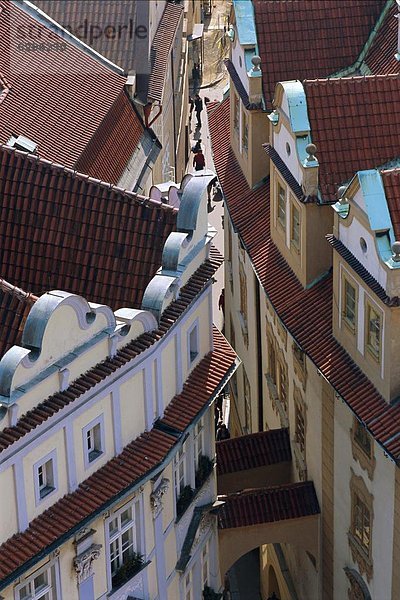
(245, 132)
(281, 206)
(373, 331)
(295, 228)
(349, 305)
(236, 111)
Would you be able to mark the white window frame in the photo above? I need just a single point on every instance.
(193, 356)
(134, 505)
(98, 421)
(205, 561)
(54, 588)
(188, 586)
(180, 459)
(198, 445)
(39, 496)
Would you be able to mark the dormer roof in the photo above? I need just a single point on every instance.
(381, 58)
(322, 38)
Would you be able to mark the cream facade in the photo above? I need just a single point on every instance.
(134, 543)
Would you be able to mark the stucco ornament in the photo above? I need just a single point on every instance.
(156, 497)
(205, 524)
(83, 562)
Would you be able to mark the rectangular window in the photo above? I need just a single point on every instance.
(245, 132)
(283, 386)
(300, 427)
(93, 440)
(122, 544)
(361, 437)
(41, 585)
(193, 343)
(205, 564)
(198, 442)
(374, 328)
(247, 402)
(281, 206)
(295, 228)
(243, 291)
(271, 360)
(349, 305)
(236, 111)
(45, 476)
(361, 523)
(179, 472)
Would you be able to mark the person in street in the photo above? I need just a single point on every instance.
(197, 147)
(191, 104)
(198, 105)
(221, 301)
(199, 162)
(195, 75)
(222, 433)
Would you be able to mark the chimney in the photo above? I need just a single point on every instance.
(310, 172)
(255, 81)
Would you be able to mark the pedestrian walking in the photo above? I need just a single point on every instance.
(222, 433)
(195, 75)
(221, 301)
(199, 162)
(198, 105)
(191, 104)
(197, 147)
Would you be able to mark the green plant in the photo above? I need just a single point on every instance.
(128, 569)
(184, 500)
(204, 468)
(209, 594)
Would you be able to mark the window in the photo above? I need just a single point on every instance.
(271, 360)
(361, 523)
(45, 476)
(373, 332)
(247, 402)
(281, 206)
(245, 132)
(41, 585)
(299, 355)
(243, 291)
(360, 534)
(236, 110)
(295, 228)
(300, 427)
(193, 342)
(205, 564)
(362, 447)
(283, 386)
(198, 442)
(179, 472)
(122, 542)
(361, 437)
(349, 305)
(93, 440)
(187, 594)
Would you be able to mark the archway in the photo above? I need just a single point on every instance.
(273, 585)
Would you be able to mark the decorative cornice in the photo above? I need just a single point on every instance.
(83, 562)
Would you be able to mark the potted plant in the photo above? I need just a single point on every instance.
(184, 500)
(204, 468)
(128, 569)
(209, 594)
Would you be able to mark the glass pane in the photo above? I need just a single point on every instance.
(113, 526)
(40, 581)
(24, 593)
(126, 516)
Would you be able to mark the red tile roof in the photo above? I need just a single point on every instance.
(351, 113)
(299, 39)
(294, 305)
(391, 183)
(253, 451)
(63, 230)
(380, 57)
(161, 47)
(268, 505)
(91, 378)
(62, 99)
(119, 475)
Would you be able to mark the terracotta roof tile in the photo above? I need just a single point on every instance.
(61, 230)
(268, 505)
(61, 99)
(117, 476)
(253, 451)
(380, 57)
(369, 128)
(59, 400)
(294, 305)
(323, 37)
(391, 183)
(161, 47)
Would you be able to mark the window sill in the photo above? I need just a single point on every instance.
(93, 456)
(196, 493)
(45, 492)
(294, 247)
(133, 584)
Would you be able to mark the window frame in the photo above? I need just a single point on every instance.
(48, 490)
(245, 132)
(300, 426)
(180, 458)
(54, 587)
(193, 356)
(97, 422)
(198, 442)
(279, 198)
(293, 242)
(134, 506)
(346, 281)
(236, 113)
(205, 562)
(370, 307)
(360, 550)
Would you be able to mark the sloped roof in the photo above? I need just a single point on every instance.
(15, 305)
(63, 230)
(355, 124)
(323, 37)
(380, 58)
(250, 214)
(56, 402)
(60, 99)
(252, 451)
(161, 48)
(116, 477)
(268, 505)
(391, 183)
(113, 23)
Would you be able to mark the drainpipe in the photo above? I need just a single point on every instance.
(173, 105)
(259, 357)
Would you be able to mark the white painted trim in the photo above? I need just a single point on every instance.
(50, 456)
(159, 387)
(210, 318)
(19, 484)
(191, 362)
(99, 420)
(178, 362)
(160, 556)
(116, 416)
(70, 451)
(148, 397)
(49, 565)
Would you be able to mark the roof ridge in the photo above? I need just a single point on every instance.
(17, 292)
(58, 167)
(267, 489)
(356, 78)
